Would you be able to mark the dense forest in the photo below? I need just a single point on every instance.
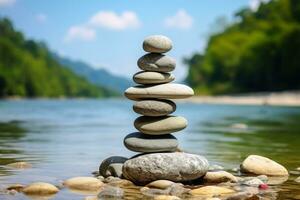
(27, 69)
(259, 51)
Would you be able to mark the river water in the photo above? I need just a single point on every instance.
(68, 138)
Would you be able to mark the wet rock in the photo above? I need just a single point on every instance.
(219, 177)
(166, 197)
(101, 178)
(151, 192)
(243, 196)
(263, 178)
(115, 169)
(20, 165)
(297, 180)
(40, 188)
(295, 172)
(16, 187)
(160, 184)
(255, 182)
(262, 166)
(151, 167)
(110, 192)
(177, 189)
(111, 179)
(211, 191)
(277, 180)
(121, 183)
(84, 183)
(112, 166)
(215, 167)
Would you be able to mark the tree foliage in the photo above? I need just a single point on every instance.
(260, 51)
(28, 69)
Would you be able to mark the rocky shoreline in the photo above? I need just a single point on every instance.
(257, 178)
(267, 98)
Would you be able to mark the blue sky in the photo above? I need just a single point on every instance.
(109, 34)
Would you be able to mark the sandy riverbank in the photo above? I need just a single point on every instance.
(271, 98)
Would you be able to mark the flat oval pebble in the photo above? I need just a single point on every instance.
(263, 166)
(156, 62)
(40, 188)
(154, 107)
(160, 184)
(175, 167)
(157, 44)
(146, 77)
(140, 142)
(211, 191)
(162, 91)
(84, 183)
(160, 125)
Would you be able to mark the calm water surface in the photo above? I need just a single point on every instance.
(67, 138)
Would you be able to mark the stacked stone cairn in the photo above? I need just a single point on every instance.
(159, 158)
(155, 126)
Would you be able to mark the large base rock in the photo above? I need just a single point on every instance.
(176, 167)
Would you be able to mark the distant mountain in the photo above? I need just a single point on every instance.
(96, 76)
(27, 69)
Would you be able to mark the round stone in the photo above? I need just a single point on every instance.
(263, 166)
(110, 166)
(162, 91)
(140, 142)
(83, 183)
(175, 167)
(145, 77)
(211, 190)
(156, 62)
(160, 125)
(157, 44)
(40, 188)
(154, 107)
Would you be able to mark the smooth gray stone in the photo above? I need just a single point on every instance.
(111, 166)
(162, 91)
(156, 62)
(157, 44)
(154, 107)
(175, 167)
(146, 77)
(140, 142)
(160, 125)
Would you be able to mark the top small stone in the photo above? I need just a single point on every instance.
(157, 44)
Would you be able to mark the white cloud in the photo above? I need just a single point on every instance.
(254, 4)
(4, 3)
(181, 20)
(103, 19)
(41, 18)
(81, 33)
(111, 20)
